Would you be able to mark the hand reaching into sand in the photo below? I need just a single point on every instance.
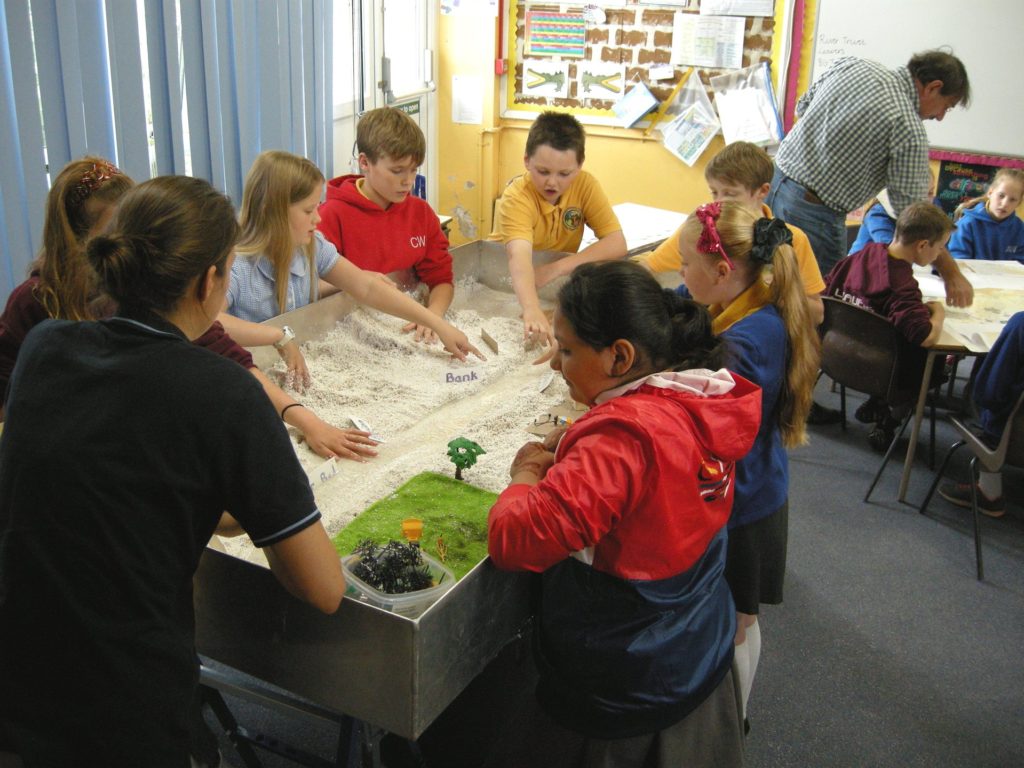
(327, 441)
(456, 342)
(423, 333)
(297, 377)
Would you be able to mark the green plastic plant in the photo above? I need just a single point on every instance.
(463, 452)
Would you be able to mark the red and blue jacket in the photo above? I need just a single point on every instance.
(636, 621)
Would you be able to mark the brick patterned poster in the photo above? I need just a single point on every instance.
(555, 34)
(634, 39)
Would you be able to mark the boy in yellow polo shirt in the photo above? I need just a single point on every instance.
(545, 210)
(742, 172)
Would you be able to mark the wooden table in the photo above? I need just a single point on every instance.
(999, 292)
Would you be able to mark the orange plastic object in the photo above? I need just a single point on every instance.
(412, 529)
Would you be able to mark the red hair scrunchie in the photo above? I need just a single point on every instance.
(709, 241)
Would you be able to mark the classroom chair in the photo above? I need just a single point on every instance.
(1008, 453)
(863, 351)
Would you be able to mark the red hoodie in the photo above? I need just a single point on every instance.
(406, 235)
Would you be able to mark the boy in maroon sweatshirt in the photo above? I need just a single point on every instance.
(881, 278)
(374, 220)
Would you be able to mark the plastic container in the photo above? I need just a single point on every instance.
(408, 604)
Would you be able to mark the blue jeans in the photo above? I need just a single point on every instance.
(825, 228)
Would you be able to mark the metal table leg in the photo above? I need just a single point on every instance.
(916, 429)
(358, 742)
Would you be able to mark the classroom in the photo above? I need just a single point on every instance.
(656, 400)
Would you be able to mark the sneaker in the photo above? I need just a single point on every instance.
(871, 410)
(960, 494)
(880, 437)
(819, 415)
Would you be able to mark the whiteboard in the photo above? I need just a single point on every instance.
(985, 35)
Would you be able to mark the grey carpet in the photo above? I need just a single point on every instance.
(886, 652)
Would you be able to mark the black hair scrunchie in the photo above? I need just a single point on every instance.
(769, 234)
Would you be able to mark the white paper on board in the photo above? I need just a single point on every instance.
(467, 99)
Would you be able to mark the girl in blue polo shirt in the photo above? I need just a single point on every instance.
(743, 267)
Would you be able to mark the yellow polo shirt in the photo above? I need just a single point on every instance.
(666, 258)
(523, 214)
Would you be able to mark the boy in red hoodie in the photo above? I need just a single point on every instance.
(376, 222)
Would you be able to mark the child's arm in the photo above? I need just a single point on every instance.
(259, 335)
(366, 288)
(959, 292)
(520, 268)
(438, 301)
(325, 440)
(610, 247)
(435, 269)
(938, 313)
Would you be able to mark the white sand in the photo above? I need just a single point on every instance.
(366, 367)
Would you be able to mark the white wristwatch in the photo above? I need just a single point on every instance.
(289, 334)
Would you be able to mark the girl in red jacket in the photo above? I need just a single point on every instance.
(625, 518)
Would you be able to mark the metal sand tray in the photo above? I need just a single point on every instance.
(394, 672)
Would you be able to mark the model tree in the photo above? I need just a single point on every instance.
(463, 453)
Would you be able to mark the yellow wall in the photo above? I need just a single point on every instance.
(475, 161)
(466, 153)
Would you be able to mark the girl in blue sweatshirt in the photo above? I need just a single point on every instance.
(993, 230)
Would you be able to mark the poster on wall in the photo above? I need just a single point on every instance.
(545, 78)
(715, 42)
(602, 80)
(958, 181)
(556, 34)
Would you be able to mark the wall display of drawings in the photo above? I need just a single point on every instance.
(614, 50)
(555, 34)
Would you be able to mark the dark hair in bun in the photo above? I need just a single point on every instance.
(610, 300)
(166, 232)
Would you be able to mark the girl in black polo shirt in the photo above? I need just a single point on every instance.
(123, 446)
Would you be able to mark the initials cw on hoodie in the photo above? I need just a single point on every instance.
(405, 236)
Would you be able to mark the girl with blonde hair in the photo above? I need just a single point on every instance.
(282, 256)
(744, 268)
(62, 285)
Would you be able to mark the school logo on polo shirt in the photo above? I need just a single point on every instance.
(572, 218)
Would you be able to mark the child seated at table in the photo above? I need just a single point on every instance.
(377, 223)
(546, 209)
(881, 278)
(879, 223)
(997, 387)
(993, 230)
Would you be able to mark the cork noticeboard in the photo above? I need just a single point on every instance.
(617, 53)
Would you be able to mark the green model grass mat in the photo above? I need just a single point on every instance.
(451, 510)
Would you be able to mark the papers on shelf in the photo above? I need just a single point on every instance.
(644, 227)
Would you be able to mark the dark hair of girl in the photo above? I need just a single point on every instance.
(166, 232)
(610, 300)
(82, 192)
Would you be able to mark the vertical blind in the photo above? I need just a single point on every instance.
(196, 87)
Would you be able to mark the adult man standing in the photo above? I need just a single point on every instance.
(861, 130)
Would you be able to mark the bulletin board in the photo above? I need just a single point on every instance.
(618, 52)
(982, 35)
